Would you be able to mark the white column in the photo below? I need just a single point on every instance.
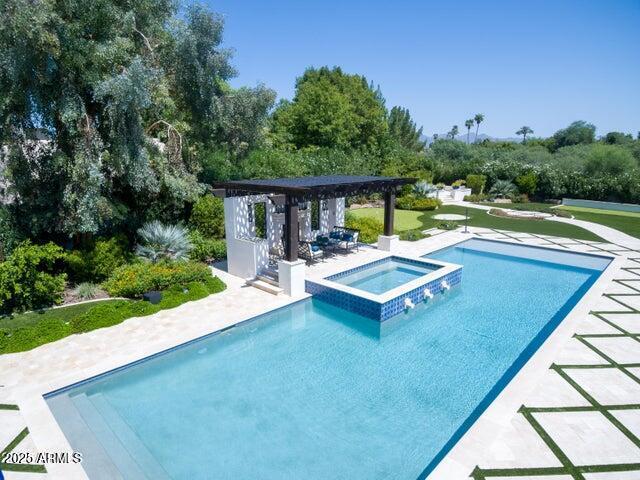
(291, 277)
(388, 243)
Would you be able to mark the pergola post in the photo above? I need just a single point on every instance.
(388, 241)
(389, 206)
(291, 229)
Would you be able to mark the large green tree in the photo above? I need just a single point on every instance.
(403, 130)
(107, 108)
(331, 109)
(579, 132)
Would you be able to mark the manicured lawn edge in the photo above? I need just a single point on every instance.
(53, 324)
(479, 218)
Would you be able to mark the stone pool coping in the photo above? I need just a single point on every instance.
(30, 375)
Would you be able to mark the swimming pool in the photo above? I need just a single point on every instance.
(308, 391)
(392, 272)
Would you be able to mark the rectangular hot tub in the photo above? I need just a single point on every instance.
(380, 289)
(384, 276)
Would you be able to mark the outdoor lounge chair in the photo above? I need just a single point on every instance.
(345, 238)
(310, 251)
(349, 239)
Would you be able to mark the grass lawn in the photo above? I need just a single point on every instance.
(407, 220)
(627, 222)
(62, 314)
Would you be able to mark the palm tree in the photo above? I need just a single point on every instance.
(524, 131)
(163, 242)
(468, 124)
(479, 118)
(453, 132)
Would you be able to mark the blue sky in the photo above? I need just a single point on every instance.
(541, 63)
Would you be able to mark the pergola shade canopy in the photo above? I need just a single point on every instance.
(302, 189)
(290, 192)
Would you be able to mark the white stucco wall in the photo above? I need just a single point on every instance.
(247, 255)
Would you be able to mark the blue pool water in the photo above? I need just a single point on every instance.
(385, 276)
(311, 391)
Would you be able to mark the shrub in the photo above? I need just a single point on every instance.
(30, 277)
(87, 291)
(411, 202)
(96, 263)
(369, 227)
(413, 235)
(559, 213)
(426, 204)
(405, 202)
(163, 242)
(136, 279)
(527, 183)
(447, 225)
(480, 197)
(26, 338)
(476, 183)
(458, 183)
(503, 188)
(422, 189)
(207, 216)
(521, 198)
(206, 249)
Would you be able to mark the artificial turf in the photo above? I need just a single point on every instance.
(408, 220)
(627, 222)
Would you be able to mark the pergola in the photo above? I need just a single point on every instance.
(290, 192)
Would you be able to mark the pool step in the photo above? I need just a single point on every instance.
(269, 279)
(265, 286)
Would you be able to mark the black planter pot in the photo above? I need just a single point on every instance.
(152, 297)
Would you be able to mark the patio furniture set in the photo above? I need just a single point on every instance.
(338, 239)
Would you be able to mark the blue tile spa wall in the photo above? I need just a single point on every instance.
(375, 310)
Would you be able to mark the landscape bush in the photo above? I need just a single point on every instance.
(476, 183)
(98, 261)
(413, 235)
(476, 198)
(87, 291)
(369, 227)
(405, 202)
(447, 225)
(411, 202)
(31, 277)
(520, 198)
(135, 279)
(103, 314)
(206, 249)
(207, 216)
(423, 204)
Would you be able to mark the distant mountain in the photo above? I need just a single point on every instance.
(472, 138)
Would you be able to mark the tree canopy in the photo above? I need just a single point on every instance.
(579, 132)
(331, 109)
(105, 110)
(404, 131)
